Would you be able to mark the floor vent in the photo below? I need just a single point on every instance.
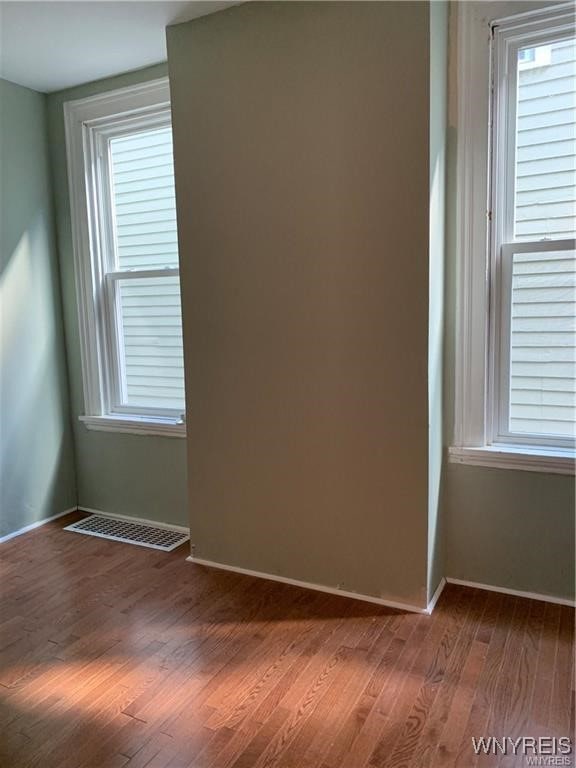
(130, 533)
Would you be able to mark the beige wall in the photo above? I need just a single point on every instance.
(302, 170)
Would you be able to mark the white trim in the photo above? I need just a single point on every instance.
(556, 461)
(508, 36)
(134, 426)
(476, 335)
(84, 280)
(138, 274)
(37, 524)
(513, 592)
(121, 100)
(89, 123)
(142, 520)
(307, 585)
(436, 595)
(472, 225)
(81, 117)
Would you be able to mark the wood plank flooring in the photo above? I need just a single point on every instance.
(114, 656)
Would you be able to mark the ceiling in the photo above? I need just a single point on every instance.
(51, 45)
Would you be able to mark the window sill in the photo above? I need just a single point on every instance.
(135, 425)
(555, 460)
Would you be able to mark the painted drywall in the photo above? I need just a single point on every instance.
(506, 528)
(36, 462)
(438, 123)
(511, 529)
(302, 180)
(136, 475)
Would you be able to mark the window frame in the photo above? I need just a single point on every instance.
(508, 37)
(90, 124)
(478, 434)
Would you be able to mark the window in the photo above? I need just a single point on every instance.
(518, 268)
(534, 57)
(126, 254)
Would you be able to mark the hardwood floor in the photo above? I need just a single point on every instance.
(113, 656)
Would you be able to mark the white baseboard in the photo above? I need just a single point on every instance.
(143, 521)
(436, 595)
(307, 585)
(37, 524)
(296, 582)
(514, 592)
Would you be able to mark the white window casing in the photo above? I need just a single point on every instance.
(124, 251)
(494, 226)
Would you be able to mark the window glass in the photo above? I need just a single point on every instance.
(545, 166)
(151, 342)
(142, 171)
(543, 343)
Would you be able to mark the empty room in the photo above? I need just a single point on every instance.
(287, 384)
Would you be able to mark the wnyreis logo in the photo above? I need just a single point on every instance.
(546, 750)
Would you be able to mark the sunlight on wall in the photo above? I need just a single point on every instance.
(30, 389)
(36, 463)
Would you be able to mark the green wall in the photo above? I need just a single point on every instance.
(511, 529)
(506, 528)
(36, 463)
(302, 179)
(136, 475)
